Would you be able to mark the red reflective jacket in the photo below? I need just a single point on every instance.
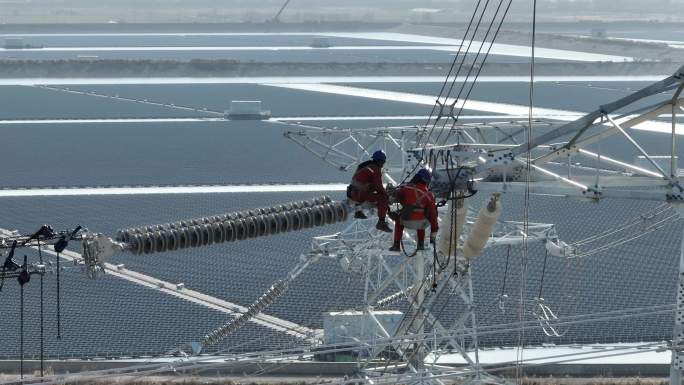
(420, 201)
(368, 178)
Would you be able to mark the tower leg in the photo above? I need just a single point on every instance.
(418, 360)
(677, 364)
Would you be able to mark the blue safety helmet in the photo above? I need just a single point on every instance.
(379, 156)
(424, 175)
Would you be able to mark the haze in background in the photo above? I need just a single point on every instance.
(402, 11)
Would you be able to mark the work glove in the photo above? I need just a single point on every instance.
(433, 238)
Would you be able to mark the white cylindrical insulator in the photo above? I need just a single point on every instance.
(451, 228)
(482, 229)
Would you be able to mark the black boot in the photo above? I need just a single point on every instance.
(421, 244)
(395, 247)
(382, 226)
(360, 215)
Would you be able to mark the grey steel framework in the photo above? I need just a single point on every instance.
(489, 157)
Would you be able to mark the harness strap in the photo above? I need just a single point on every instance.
(363, 187)
(419, 199)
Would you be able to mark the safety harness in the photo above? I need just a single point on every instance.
(407, 211)
(355, 185)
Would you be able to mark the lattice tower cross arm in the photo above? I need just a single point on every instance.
(581, 124)
(577, 127)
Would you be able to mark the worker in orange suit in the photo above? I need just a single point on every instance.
(418, 210)
(366, 186)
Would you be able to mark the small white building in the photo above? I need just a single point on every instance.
(358, 330)
(247, 110)
(352, 326)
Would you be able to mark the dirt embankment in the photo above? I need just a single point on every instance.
(643, 51)
(228, 68)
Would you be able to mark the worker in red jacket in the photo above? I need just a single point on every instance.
(366, 186)
(418, 210)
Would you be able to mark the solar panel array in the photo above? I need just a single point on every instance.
(112, 317)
